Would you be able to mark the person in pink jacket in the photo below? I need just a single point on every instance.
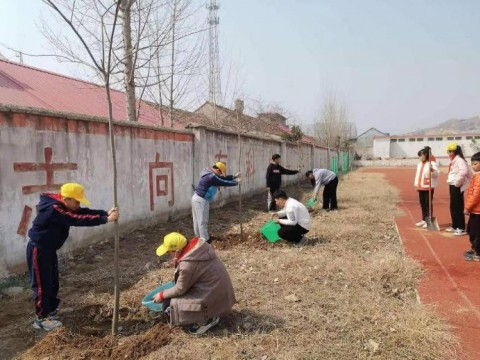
(426, 177)
(459, 176)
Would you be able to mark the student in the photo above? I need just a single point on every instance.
(55, 214)
(428, 149)
(327, 178)
(459, 175)
(203, 290)
(274, 179)
(205, 191)
(426, 171)
(294, 218)
(472, 209)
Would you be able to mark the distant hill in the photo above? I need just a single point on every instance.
(452, 126)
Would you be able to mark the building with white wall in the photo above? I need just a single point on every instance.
(407, 146)
(363, 143)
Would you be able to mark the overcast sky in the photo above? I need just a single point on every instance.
(399, 65)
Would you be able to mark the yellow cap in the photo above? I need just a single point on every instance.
(452, 146)
(222, 167)
(73, 191)
(172, 242)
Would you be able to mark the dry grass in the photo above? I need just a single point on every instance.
(355, 292)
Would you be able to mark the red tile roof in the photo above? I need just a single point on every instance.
(25, 86)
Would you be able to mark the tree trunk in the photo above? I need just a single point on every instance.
(174, 20)
(116, 272)
(160, 102)
(128, 71)
(240, 210)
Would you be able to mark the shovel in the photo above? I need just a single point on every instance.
(432, 223)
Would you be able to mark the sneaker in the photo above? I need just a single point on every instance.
(473, 257)
(47, 324)
(450, 229)
(460, 232)
(469, 252)
(303, 241)
(422, 223)
(199, 330)
(54, 314)
(424, 226)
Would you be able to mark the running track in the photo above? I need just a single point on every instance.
(449, 282)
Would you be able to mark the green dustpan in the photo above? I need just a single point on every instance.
(270, 231)
(310, 203)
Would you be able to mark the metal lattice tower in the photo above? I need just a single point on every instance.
(215, 92)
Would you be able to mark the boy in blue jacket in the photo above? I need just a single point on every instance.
(55, 214)
(210, 179)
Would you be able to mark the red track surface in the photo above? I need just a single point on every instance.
(450, 282)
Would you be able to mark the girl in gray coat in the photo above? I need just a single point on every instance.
(203, 290)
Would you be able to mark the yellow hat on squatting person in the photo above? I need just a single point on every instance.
(452, 146)
(74, 191)
(172, 242)
(220, 165)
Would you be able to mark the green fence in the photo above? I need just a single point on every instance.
(341, 162)
(334, 161)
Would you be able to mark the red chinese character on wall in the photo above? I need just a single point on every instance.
(49, 167)
(250, 165)
(221, 157)
(158, 184)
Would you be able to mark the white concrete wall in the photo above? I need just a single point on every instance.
(145, 156)
(322, 158)
(24, 139)
(399, 162)
(381, 148)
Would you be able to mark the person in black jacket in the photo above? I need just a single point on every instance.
(55, 214)
(274, 179)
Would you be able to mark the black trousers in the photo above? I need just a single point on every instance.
(423, 197)
(456, 208)
(43, 270)
(330, 195)
(292, 233)
(473, 229)
(272, 206)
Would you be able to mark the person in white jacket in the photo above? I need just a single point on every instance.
(294, 218)
(458, 179)
(426, 176)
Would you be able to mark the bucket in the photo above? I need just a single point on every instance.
(310, 203)
(148, 299)
(270, 231)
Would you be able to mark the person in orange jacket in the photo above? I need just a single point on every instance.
(472, 209)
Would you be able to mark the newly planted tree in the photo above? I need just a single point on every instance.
(104, 67)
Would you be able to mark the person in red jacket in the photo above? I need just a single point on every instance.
(472, 209)
(49, 231)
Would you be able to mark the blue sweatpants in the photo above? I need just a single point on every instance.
(43, 270)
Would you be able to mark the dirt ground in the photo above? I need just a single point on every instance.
(349, 294)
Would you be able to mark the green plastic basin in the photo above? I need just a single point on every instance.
(270, 231)
(310, 203)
